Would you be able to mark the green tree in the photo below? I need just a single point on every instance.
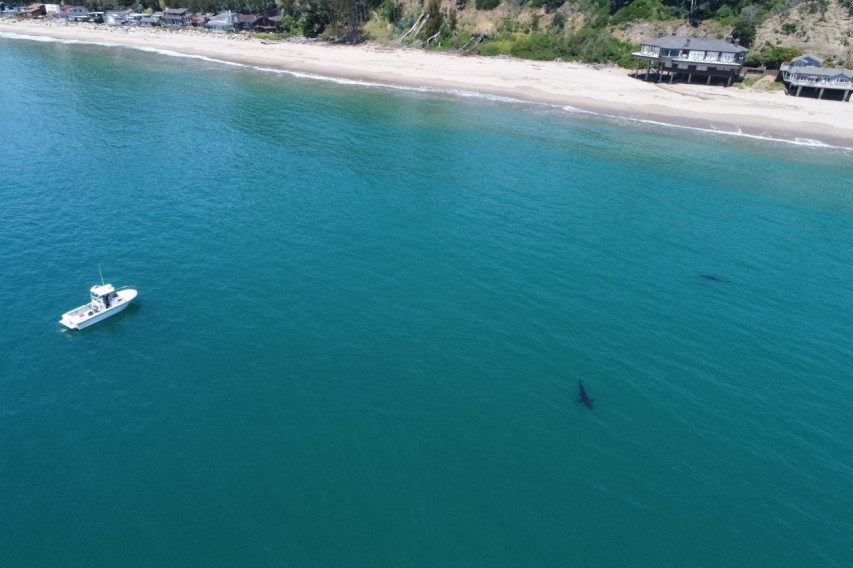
(744, 28)
(452, 19)
(558, 22)
(435, 18)
(344, 17)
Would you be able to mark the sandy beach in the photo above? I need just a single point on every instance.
(607, 90)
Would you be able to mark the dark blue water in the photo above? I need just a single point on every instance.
(363, 315)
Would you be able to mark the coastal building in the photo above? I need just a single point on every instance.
(34, 11)
(74, 13)
(199, 19)
(807, 60)
(134, 18)
(691, 58)
(806, 71)
(7, 9)
(269, 24)
(222, 22)
(151, 19)
(245, 22)
(117, 17)
(176, 17)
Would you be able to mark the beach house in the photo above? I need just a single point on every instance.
(117, 17)
(74, 13)
(245, 22)
(269, 24)
(176, 17)
(691, 58)
(151, 19)
(221, 22)
(806, 71)
(7, 9)
(34, 11)
(199, 19)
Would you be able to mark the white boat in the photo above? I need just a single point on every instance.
(105, 301)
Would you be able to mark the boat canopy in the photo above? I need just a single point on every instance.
(102, 290)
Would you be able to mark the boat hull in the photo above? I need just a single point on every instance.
(86, 315)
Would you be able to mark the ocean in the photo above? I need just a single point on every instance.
(363, 314)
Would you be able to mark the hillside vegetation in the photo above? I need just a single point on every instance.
(591, 31)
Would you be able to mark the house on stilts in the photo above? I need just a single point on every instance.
(691, 58)
(806, 71)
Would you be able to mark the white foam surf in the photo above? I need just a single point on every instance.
(457, 93)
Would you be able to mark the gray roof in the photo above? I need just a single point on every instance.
(698, 43)
(807, 56)
(822, 71)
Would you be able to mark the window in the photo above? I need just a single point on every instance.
(701, 67)
(682, 66)
(696, 56)
(727, 57)
(712, 56)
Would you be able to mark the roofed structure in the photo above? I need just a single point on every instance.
(34, 11)
(805, 71)
(222, 22)
(176, 17)
(117, 17)
(692, 57)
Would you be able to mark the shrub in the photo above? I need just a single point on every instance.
(390, 10)
(508, 25)
(558, 22)
(724, 13)
(788, 28)
(550, 5)
(771, 57)
(592, 45)
(487, 4)
(649, 10)
(492, 48)
(290, 26)
(539, 46)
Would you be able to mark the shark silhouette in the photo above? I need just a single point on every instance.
(584, 398)
(712, 278)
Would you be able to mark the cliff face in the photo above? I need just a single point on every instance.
(827, 33)
(822, 28)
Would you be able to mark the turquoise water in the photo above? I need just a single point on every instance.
(363, 314)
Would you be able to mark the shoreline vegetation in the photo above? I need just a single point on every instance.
(607, 90)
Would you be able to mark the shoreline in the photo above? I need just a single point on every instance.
(608, 91)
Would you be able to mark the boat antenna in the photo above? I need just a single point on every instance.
(101, 275)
